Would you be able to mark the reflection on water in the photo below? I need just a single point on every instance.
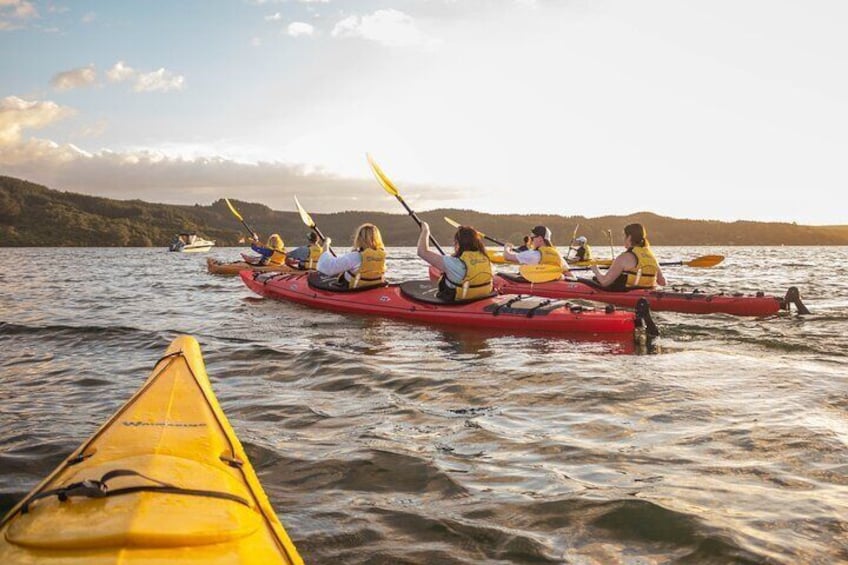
(383, 441)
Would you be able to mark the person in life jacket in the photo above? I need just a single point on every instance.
(636, 267)
(306, 256)
(582, 251)
(467, 274)
(524, 246)
(543, 251)
(364, 266)
(272, 253)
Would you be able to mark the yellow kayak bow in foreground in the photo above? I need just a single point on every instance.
(165, 480)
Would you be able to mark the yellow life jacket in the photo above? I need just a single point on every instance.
(478, 276)
(277, 257)
(315, 251)
(550, 256)
(371, 270)
(644, 275)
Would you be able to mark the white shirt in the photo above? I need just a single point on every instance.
(329, 265)
(529, 257)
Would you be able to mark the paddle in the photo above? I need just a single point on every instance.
(703, 261)
(484, 236)
(494, 256)
(237, 215)
(612, 251)
(541, 273)
(571, 244)
(389, 187)
(310, 223)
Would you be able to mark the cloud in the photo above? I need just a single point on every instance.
(157, 177)
(120, 72)
(296, 29)
(386, 27)
(14, 12)
(17, 114)
(274, 17)
(88, 18)
(314, 1)
(75, 78)
(161, 80)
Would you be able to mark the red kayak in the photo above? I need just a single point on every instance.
(660, 300)
(416, 301)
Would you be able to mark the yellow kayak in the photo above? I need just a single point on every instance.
(165, 480)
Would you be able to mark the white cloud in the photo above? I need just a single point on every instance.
(158, 81)
(314, 1)
(392, 28)
(120, 72)
(88, 18)
(75, 78)
(14, 12)
(256, 42)
(274, 17)
(296, 29)
(17, 115)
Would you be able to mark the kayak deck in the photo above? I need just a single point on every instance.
(216, 267)
(164, 480)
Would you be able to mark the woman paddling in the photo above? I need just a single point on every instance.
(273, 253)
(637, 267)
(364, 266)
(467, 274)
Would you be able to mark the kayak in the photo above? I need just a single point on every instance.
(416, 301)
(164, 480)
(216, 267)
(693, 302)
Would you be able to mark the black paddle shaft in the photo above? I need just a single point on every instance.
(418, 221)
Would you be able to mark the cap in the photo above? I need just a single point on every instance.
(542, 231)
(581, 239)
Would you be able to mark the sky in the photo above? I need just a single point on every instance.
(722, 110)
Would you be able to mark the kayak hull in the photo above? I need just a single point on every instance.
(659, 300)
(166, 481)
(390, 302)
(231, 269)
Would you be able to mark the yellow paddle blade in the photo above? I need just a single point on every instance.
(381, 177)
(705, 261)
(304, 215)
(495, 256)
(233, 210)
(454, 223)
(540, 273)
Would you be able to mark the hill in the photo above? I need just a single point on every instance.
(34, 215)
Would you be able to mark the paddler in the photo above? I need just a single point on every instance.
(637, 267)
(306, 256)
(364, 265)
(582, 251)
(467, 274)
(272, 253)
(542, 251)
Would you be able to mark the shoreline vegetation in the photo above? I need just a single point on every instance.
(32, 215)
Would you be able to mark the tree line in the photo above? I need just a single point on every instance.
(32, 215)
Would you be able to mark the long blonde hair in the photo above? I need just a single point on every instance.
(275, 242)
(367, 236)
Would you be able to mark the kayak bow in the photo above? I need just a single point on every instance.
(163, 480)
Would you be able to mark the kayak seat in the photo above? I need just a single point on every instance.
(331, 283)
(427, 291)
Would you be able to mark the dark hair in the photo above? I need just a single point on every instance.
(527, 239)
(313, 237)
(637, 234)
(468, 239)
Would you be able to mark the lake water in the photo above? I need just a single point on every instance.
(380, 441)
